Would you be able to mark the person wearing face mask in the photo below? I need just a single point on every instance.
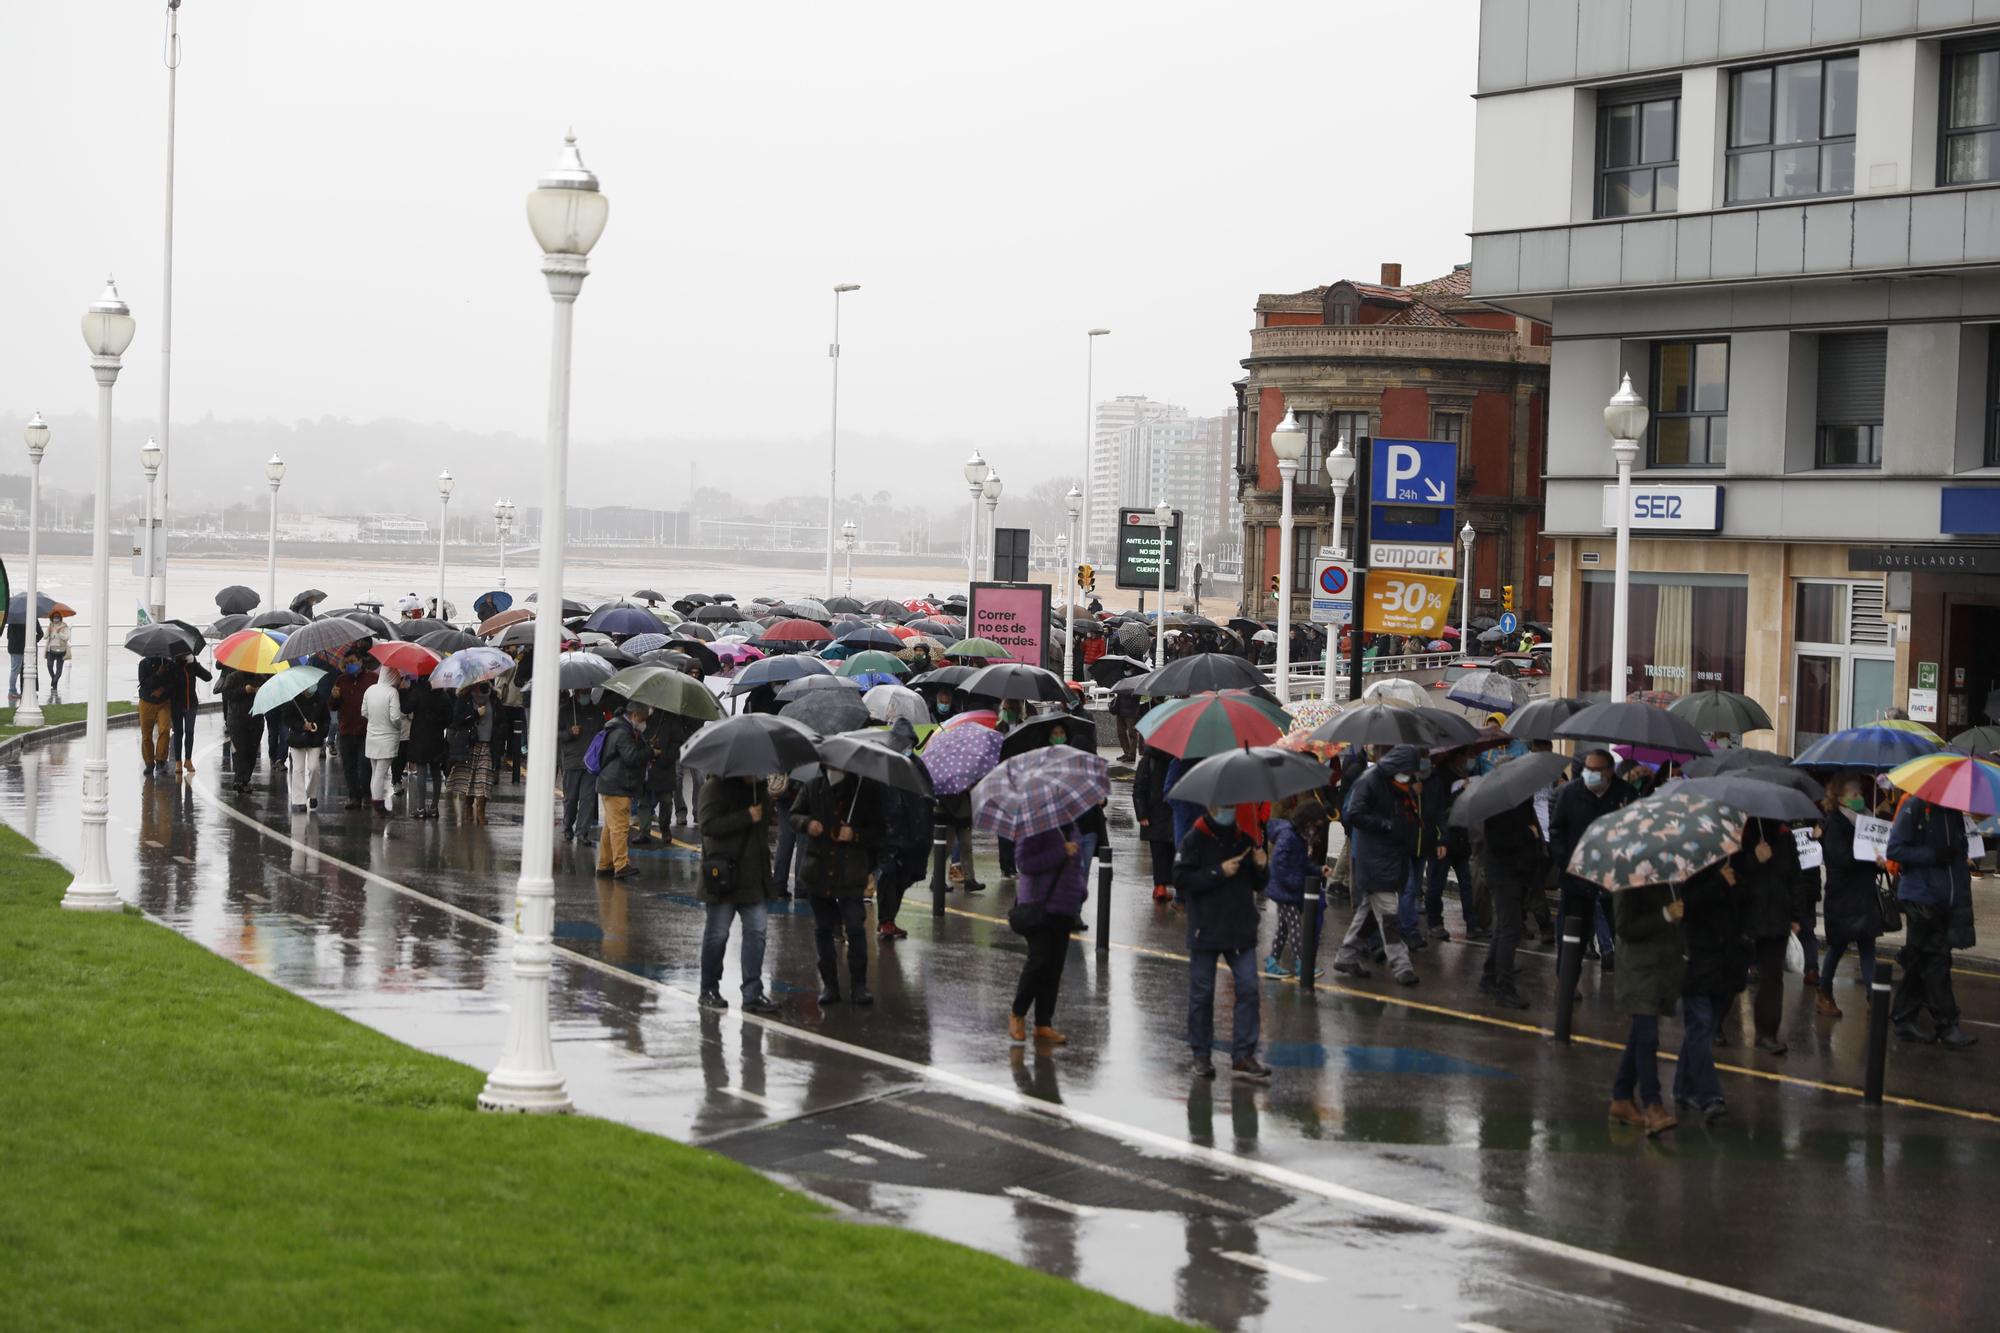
(473, 736)
(1155, 818)
(1219, 872)
(1768, 868)
(1582, 803)
(1385, 835)
(382, 715)
(837, 820)
(349, 686)
(1927, 845)
(1853, 907)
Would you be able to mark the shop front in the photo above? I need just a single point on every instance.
(1952, 599)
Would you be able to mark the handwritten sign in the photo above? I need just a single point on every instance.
(1811, 856)
(1871, 838)
(1013, 616)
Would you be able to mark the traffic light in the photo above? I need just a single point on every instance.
(1274, 585)
(1086, 578)
(1506, 597)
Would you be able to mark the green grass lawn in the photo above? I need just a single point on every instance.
(184, 1145)
(53, 714)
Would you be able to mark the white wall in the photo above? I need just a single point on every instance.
(1525, 168)
(1704, 120)
(1885, 130)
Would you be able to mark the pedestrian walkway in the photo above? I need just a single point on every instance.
(1415, 1154)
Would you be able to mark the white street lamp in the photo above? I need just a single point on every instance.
(975, 479)
(1163, 515)
(1089, 434)
(1288, 442)
(1073, 504)
(1625, 416)
(1340, 466)
(107, 331)
(274, 472)
(445, 483)
(847, 542)
(833, 432)
(149, 459)
(991, 490)
(567, 213)
(1466, 536)
(503, 527)
(29, 714)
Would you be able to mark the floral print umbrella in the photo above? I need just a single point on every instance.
(957, 757)
(1666, 839)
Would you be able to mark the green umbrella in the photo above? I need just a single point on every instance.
(666, 689)
(982, 648)
(284, 687)
(1714, 711)
(1980, 740)
(872, 660)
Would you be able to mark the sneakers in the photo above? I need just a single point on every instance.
(1955, 1038)
(712, 1000)
(1625, 1111)
(1771, 1046)
(1354, 970)
(1714, 1113)
(1017, 1028)
(628, 872)
(763, 1004)
(1274, 968)
(1407, 978)
(861, 996)
(1162, 894)
(1415, 942)
(1250, 1069)
(1823, 1003)
(1201, 1067)
(1438, 933)
(889, 930)
(1659, 1119)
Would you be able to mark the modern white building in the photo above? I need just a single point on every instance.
(1142, 452)
(1780, 219)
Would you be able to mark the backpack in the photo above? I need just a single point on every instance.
(593, 758)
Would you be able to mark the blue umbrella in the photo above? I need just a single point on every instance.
(871, 636)
(1866, 747)
(469, 666)
(776, 671)
(644, 643)
(17, 607)
(490, 604)
(286, 686)
(623, 620)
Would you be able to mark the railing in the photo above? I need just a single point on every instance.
(1404, 341)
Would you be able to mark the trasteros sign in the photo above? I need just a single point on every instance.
(1014, 616)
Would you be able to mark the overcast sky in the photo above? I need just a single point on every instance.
(351, 239)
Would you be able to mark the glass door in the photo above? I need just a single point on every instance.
(1874, 689)
(1816, 698)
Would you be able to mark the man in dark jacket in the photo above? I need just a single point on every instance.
(1126, 709)
(349, 685)
(1156, 818)
(621, 779)
(1718, 960)
(907, 823)
(1451, 852)
(578, 721)
(1511, 844)
(1768, 871)
(1219, 872)
(245, 728)
(735, 883)
(662, 777)
(1576, 807)
(17, 654)
(837, 821)
(184, 677)
(1385, 832)
(1927, 843)
(156, 692)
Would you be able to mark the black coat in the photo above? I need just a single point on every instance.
(238, 690)
(1652, 969)
(1222, 911)
(1718, 948)
(1513, 846)
(622, 759)
(1385, 830)
(830, 868)
(1149, 797)
(305, 721)
(430, 713)
(728, 832)
(1772, 886)
(1576, 808)
(1853, 909)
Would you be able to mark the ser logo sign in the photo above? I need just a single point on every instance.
(1656, 506)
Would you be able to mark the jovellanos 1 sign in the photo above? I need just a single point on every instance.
(1668, 508)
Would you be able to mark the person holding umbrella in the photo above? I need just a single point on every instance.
(1055, 883)
(382, 714)
(836, 816)
(1502, 806)
(350, 686)
(1853, 906)
(156, 692)
(623, 757)
(244, 728)
(305, 728)
(183, 674)
(1155, 817)
(578, 721)
(55, 650)
(1928, 850)
(429, 710)
(473, 736)
(1715, 935)
(1291, 832)
(735, 885)
(1591, 796)
(1219, 874)
(1384, 829)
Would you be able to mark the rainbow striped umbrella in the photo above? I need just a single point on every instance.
(251, 650)
(1211, 722)
(1954, 781)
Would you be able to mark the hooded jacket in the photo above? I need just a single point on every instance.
(1384, 823)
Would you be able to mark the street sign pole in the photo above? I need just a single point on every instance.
(1362, 483)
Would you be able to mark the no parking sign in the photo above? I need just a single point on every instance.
(1332, 591)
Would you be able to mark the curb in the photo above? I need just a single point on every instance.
(15, 744)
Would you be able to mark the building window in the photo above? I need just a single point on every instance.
(1446, 426)
(1305, 545)
(1690, 404)
(1684, 632)
(1638, 151)
(1970, 137)
(1791, 130)
(1993, 402)
(1341, 307)
(1311, 470)
(1354, 425)
(1852, 368)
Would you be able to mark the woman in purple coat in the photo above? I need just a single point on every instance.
(1054, 869)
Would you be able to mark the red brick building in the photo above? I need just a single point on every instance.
(1421, 362)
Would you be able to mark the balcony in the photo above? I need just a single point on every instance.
(1391, 342)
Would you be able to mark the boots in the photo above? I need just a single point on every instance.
(1658, 1119)
(1625, 1111)
(1017, 1028)
(479, 809)
(829, 983)
(857, 979)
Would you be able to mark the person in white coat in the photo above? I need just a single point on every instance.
(382, 710)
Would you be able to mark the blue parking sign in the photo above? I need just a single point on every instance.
(1414, 472)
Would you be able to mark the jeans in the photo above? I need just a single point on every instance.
(1695, 1079)
(614, 846)
(1379, 905)
(1409, 901)
(56, 664)
(17, 663)
(1041, 974)
(1835, 947)
(830, 917)
(579, 809)
(1434, 890)
(1243, 1033)
(1926, 963)
(1639, 1067)
(750, 955)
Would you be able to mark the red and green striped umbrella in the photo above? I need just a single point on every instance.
(1211, 722)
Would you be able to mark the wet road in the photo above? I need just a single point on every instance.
(1419, 1160)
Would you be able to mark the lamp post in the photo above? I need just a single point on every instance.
(975, 479)
(149, 459)
(1466, 536)
(566, 212)
(445, 483)
(1288, 442)
(1340, 465)
(1073, 503)
(1163, 516)
(171, 57)
(847, 541)
(991, 490)
(29, 714)
(503, 525)
(274, 472)
(833, 432)
(1625, 416)
(1089, 433)
(107, 331)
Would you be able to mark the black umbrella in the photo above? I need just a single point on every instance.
(236, 599)
(1783, 775)
(1378, 724)
(1762, 800)
(1133, 638)
(650, 597)
(1139, 684)
(1036, 732)
(694, 629)
(884, 608)
(225, 626)
(697, 650)
(376, 626)
(800, 687)
(304, 603)
(1254, 774)
(448, 641)
(657, 657)
(518, 634)
(717, 613)
(1017, 680)
(864, 755)
(942, 678)
(1632, 723)
(1204, 671)
(277, 619)
(414, 630)
(1735, 761)
(846, 606)
(829, 711)
(570, 607)
(1450, 728)
(937, 629)
(1537, 719)
(1111, 668)
(331, 634)
(1513, 782)
(163, 639)
(749, 745)
(1712, 711)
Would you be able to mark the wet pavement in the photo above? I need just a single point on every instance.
(1419, 1160)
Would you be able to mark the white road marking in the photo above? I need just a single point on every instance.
(883, 1145)
(849, 1155)
(184, 860)
(1050, 1201)
(1283, 1177)
(1474, 1326)
(153, 842)
(1271, 1266)
(748, 1096)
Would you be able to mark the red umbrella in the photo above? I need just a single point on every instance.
(412, 659)
(799, 631)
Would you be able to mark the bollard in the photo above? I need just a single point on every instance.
(1104, 902)
(1309, 938)
(1567, 972)
(1878, 1032)
(938, 881)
